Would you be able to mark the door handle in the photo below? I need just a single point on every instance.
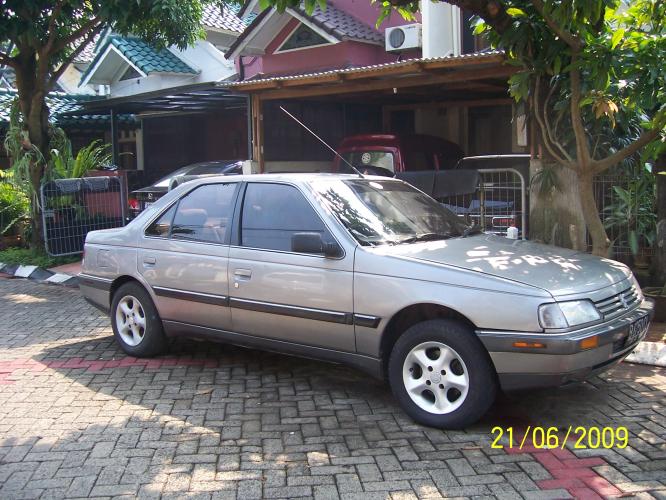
(149, 261)
(243, 274)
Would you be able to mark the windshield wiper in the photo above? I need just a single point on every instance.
(425, 237)
(471, 230)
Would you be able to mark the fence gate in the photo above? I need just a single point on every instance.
(501, 201)
(73, 207)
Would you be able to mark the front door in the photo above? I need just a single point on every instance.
(283, 295)
(184, 257)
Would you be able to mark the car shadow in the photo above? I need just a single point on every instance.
(214, 375)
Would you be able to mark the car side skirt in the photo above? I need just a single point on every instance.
(367, 364)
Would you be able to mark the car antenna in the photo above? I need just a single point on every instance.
(323, 142)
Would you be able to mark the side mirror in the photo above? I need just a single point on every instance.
(313, 243)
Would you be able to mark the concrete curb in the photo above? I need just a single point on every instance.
(35, 273)
(649, 353)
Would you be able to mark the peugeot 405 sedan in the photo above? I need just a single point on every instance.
(366, 271)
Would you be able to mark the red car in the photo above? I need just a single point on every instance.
(388, 154)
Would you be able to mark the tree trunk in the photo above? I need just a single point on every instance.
(600, 242)
(556, 218)
(659, 247)
(32, 104)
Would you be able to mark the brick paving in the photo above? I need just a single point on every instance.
(80, 419)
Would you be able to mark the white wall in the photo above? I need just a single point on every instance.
(203, 56)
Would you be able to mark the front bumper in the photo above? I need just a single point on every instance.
(562, 360)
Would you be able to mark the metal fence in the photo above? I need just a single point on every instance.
(73, 207)
(606, 197)
(501, 201)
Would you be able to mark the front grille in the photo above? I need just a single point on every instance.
(618, 304)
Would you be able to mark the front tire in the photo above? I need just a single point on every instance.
(441, 374)
(136, 325)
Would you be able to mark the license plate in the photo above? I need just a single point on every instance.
(637, 329)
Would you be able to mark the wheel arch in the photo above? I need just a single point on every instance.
(120, 281)
(408, 317)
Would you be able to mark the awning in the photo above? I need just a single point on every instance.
(482, 74)
(197, 98)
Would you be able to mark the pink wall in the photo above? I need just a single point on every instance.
(338, 56)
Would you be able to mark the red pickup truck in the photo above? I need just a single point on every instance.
(388, 154)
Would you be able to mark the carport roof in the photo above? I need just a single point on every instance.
(467, 70)
(200, 97)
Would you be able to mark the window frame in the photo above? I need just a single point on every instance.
(237, 234)
(280, 50)
(176, 203)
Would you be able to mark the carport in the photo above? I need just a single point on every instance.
(179, 126)
(461, 98)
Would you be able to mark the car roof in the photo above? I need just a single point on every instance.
(295, 178)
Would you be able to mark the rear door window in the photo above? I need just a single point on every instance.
(161, 227)
(273, 213)
(205, 214)
(380, 159)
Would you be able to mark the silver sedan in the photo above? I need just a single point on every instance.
(366, 271)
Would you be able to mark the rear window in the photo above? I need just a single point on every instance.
(380, 159)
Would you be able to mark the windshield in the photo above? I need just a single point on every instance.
(380, 212)
(360, 159)
(206, 168)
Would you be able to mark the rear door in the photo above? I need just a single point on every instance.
(283, 295)
(183, 255)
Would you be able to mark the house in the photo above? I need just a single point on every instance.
(341, 74)
(159, 86)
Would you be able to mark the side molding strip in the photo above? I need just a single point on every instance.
(271, 308)
(366, 321)
(294, 311)
(205, 298)
(95, 282)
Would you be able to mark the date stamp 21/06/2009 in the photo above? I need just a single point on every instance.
(552, 437)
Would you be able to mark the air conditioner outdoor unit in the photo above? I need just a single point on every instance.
(403, 37)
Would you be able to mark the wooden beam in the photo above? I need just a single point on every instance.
(470, 103)
(398, 83)
(258, 131)
(418, 66)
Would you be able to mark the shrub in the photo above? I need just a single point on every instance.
(14, 204)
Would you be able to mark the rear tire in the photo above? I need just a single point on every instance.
(136, 324)
(441, 374)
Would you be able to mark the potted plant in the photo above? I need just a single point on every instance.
(631, 215)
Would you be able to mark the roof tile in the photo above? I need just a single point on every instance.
(342, 24)
(221, 17)
(148, 58)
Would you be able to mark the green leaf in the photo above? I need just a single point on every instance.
(617, 38)
(516, 12)
(633, 242)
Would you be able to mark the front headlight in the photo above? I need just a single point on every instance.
(561, 315)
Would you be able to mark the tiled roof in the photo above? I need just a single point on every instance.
(342, 25)
(222, 17)
(9, 75)
(58, 103)
(148, 58)
(337, 23)
(88, 54)
(142, 55)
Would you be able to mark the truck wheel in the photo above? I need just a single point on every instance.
(441, 374)
(136, 324)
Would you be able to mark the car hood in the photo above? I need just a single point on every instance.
(559, 271)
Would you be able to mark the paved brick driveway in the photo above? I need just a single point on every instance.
(78, 418)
